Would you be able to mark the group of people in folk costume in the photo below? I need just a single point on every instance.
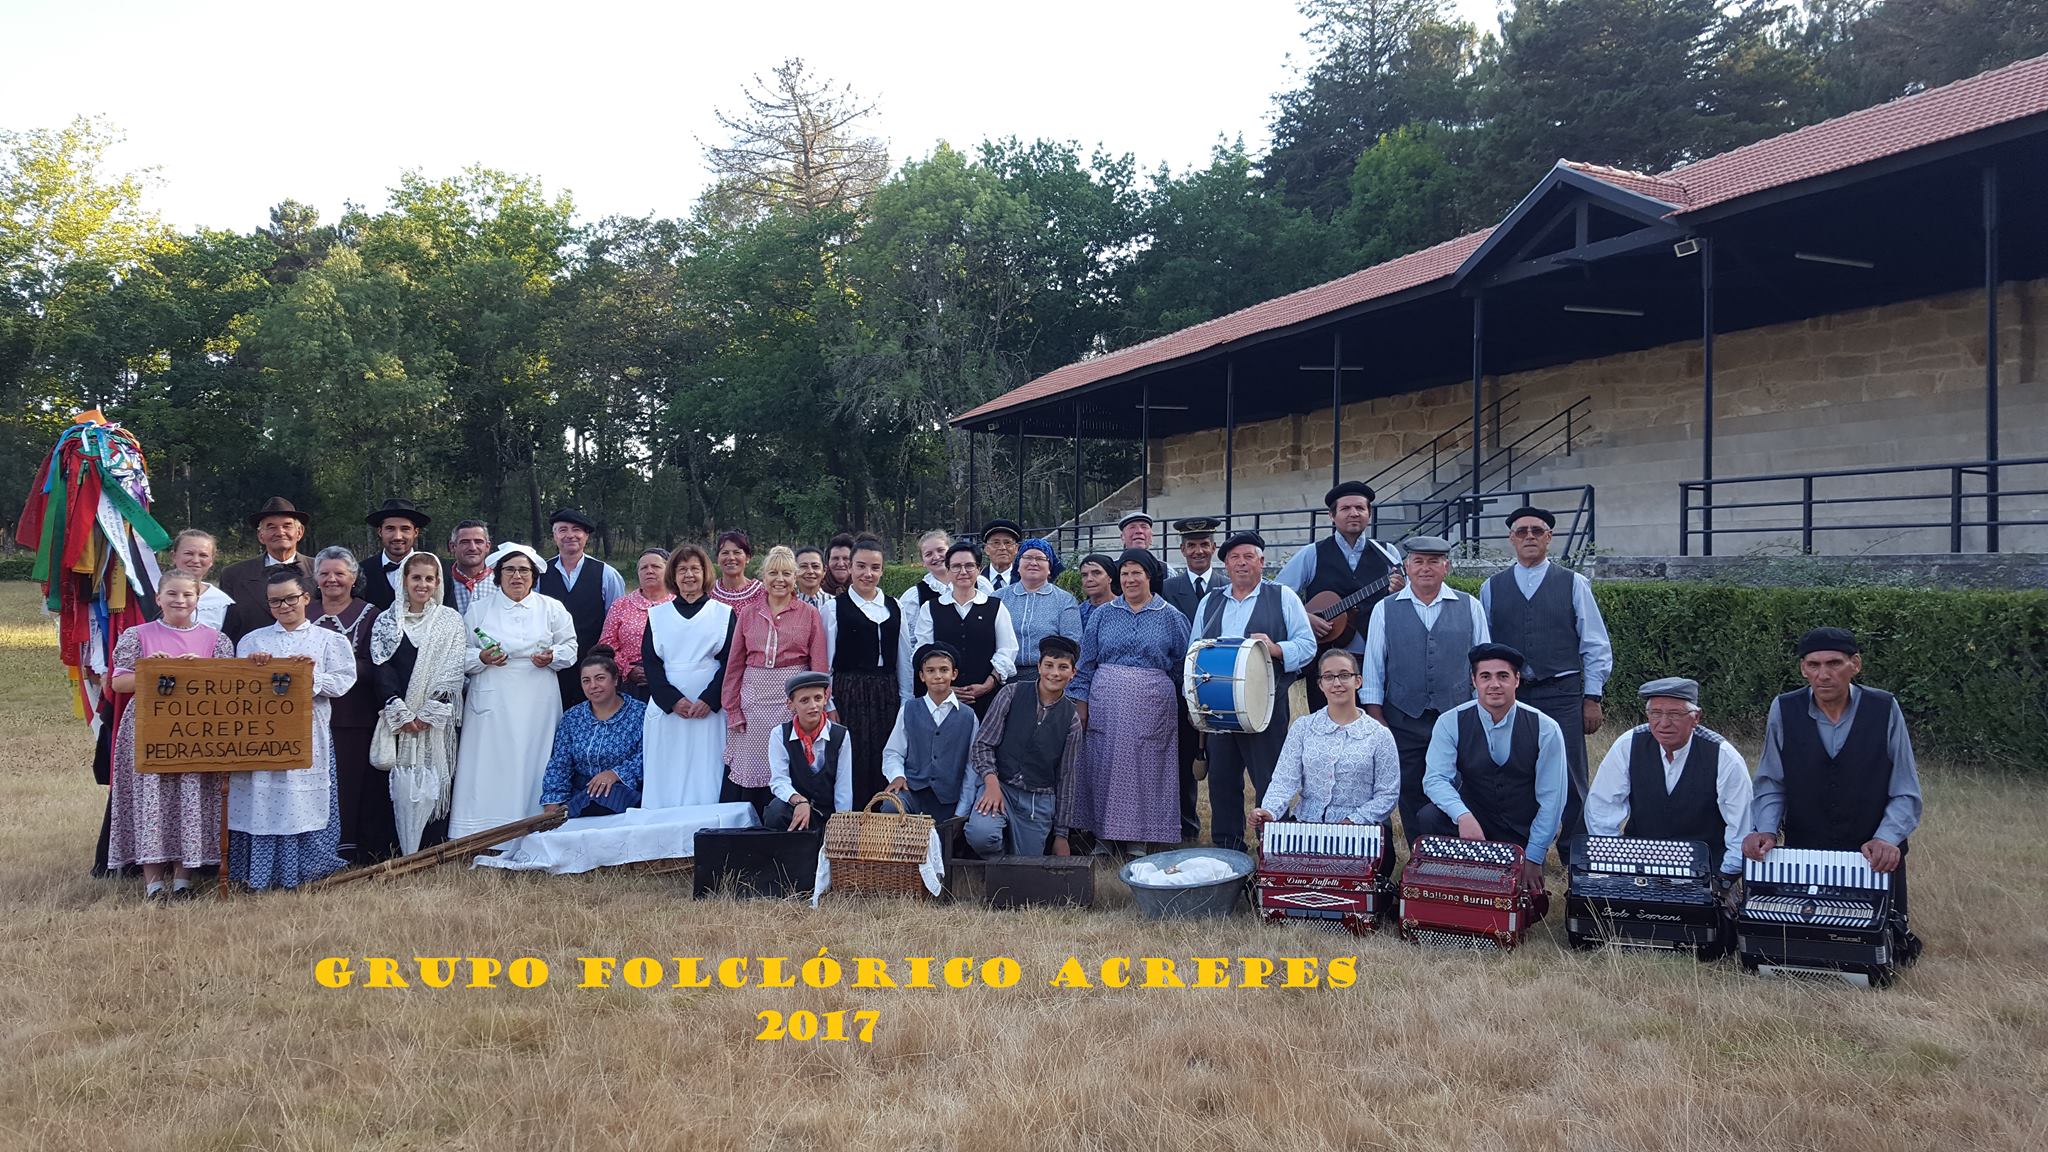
(452, 699)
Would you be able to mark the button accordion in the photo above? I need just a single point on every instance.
(1334, 876)
(1814, 913)
(1630, 893)
(1468, 894)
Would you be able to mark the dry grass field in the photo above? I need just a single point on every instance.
(201, 1026)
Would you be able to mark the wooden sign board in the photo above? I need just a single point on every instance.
(222, 715)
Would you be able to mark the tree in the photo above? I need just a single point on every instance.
(1408, 191)
(798, 145)
(1868, 51)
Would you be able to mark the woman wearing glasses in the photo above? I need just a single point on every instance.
(976, 624)
(518, 640)
(1339, 765)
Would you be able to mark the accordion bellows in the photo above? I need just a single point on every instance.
(1654, 894)
(1468, 894)
(1335, 876)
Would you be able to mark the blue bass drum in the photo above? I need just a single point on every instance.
(1228, 684)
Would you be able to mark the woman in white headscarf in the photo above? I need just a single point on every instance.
(418, 648)
(518, 640)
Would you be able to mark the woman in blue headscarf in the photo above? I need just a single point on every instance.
(1038, 607)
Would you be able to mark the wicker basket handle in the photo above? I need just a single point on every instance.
(876, 801)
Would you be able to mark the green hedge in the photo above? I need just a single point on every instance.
(17, 567)
(1970, 668)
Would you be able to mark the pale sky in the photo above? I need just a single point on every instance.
(240, 104)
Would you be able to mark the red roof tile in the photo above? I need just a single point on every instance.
(2001, 96)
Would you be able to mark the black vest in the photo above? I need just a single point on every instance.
(816, 784)
(1031, 748)
(377, 587)
(925, 595)
(1692, 810)
(972, 635)
(1334, 573)
(863, 645)
(1502, 797)
(1544, 628)
(1267, 616)
(1835, 802)
(585, 602)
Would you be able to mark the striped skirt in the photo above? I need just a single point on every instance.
(765, 704)
(867, 705)
(1130, 760)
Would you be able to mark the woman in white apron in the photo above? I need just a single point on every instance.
(518, 640)
(683, 655)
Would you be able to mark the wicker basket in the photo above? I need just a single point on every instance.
(876, 853)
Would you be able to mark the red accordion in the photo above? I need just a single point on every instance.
(1468, 894)
(1336, 876)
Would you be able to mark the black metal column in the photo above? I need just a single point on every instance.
(973, 495)
(1145, 448)
(1229, 432)
(1478, 379)
(1077, 473)
(1336, 408)
(1991, 357)
(1706, 396)
(1020, 475)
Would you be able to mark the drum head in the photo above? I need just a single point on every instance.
(1255, 687)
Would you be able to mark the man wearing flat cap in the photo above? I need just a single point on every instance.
(1548, 612)
(279, 527)
(1259, 609)
(1136, 529)
(1496, 765)
(1671, 779)
(1415, 670)
(999, 542)
(584, 585)
(1344, 564)
(397, 525)
(1186, 590)
(1837, 769)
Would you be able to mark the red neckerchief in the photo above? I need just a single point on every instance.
(809, 738)
(468, 583)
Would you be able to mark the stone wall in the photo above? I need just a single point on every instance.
(1885, 357)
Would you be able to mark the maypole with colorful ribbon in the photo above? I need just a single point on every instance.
(88, 519)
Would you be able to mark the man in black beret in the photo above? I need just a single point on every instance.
(1548, 612)
(1837, 769)
(1346, 566)
(999, 542)
(397, 524)
(1496, 765)
(587, 594)
(1185, 590)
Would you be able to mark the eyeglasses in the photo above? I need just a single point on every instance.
(515, 570)
(1529, 533)
(964, 567)
(286, 601)
(1661, 717)
(1337, 677)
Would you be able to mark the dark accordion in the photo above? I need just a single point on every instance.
(1630, 893)
(1335, 876)
(1468, 894)
(1809, 912)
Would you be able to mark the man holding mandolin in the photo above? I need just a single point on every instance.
(1343, 575)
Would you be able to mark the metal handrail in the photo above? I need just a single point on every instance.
(1573, 416)
(1449, 444)
(1806, 502)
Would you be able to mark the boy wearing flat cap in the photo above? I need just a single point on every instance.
(1837, 769)
(925, 760)
(1671, 779)
(810, 760)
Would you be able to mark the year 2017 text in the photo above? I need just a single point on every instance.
(802, 1025)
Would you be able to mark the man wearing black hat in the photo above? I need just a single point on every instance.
(1270, 613)
(999, 541)
(397, 525)
(1186, 590)
(1344, 563)
(1496, 765)
(279, 527)
(1413, 643)
(1548, 612)
(1837, 769)
(1671, 779)
(586, 594)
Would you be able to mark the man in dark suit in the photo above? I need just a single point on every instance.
(1185, 590)
(279, 528)
(398, 525)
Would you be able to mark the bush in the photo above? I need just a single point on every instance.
(17, 567)
(1970, 668)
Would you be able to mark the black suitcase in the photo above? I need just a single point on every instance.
(754, 862)
(1025, 881)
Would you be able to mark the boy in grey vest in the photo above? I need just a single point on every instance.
(1415, 660)
(926, 757)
